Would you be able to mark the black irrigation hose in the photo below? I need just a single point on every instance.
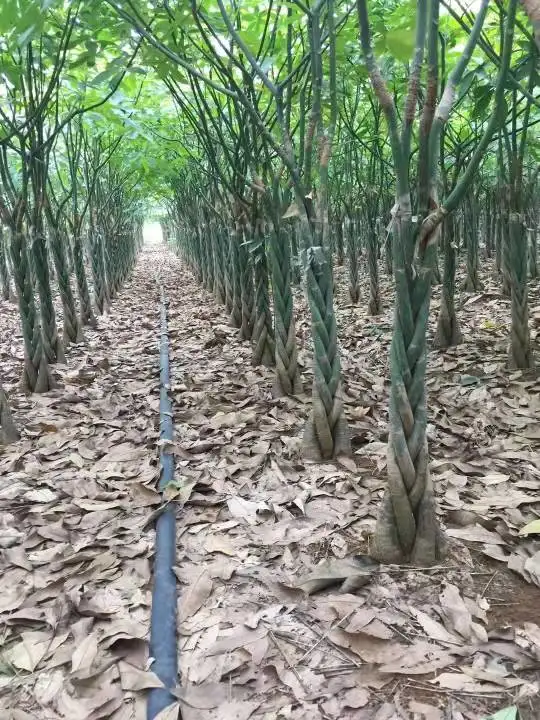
(163, 616)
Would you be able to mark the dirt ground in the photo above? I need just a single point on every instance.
(257, 526)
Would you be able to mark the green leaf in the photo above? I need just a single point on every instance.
(104, 76)
(532, 528)
(27, 35)
(482, 95)
(507, 713)
(400, 43)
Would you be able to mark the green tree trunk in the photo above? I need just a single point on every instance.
(87, 316)
(372, 247)
(262, 336)
(234, 288)
(246, 289)
(386, 239)
(338, 234)
(533, 253)
(407, 527)
(219, 264)
(352, 260)
(287, 380)
(72, 328)
(4, 270)
(472, 282)
(52, 344)
(101, 296)
(506, 259)
(36, 373)
(326, 434)
(448, 331)
(519, 353)
(8, 430)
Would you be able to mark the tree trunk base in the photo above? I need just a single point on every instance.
(448, 332)
(326, 437)
(8, 431)
(405, 533)
(374, 306)
(354, 294)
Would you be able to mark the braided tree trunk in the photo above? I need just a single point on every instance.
(229, 273)
(262, 336)
(206, 257)
(219, 265)
(294, 253)
(8, 431)
(498, 243)
(122, 251)
(519, 352)
(489, 225)
(36, 374)
(339, 241)
(72, 327)
(51, 341)
(208, 243)
(326, 434)
(472, 281)
(109, 262)
(506, 259)
(407, 527)
(4, 271)
(87, 314)
(287, 381)
(374, 305)
(352, 261)
(448, 331)
(386, 242)
(98, 271)
(533, 253)
(234, 289)
(246, 287)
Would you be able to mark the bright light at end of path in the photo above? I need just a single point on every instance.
(152, 233)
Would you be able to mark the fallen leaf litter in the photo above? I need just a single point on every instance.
(281, 615)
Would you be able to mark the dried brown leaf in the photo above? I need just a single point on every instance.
(196, 594)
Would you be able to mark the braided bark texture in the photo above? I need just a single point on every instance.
(87, 314)
(8, 431)
(72, 328)
(533, 253)
(352, 261)
(519, 352)
(448, 331)
(247, 292)
(407, 527)
(235, 290)
(51, 341)
(219, 265)
(338, 235)
(36, 375)
(326, 434)
(98, 270)
(263, 336)
(506, 260)
(374, 305)
(387, 241)
(472, 281)
(287, 381)
(4, 272)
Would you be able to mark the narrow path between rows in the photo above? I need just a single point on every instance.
(76, 531)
